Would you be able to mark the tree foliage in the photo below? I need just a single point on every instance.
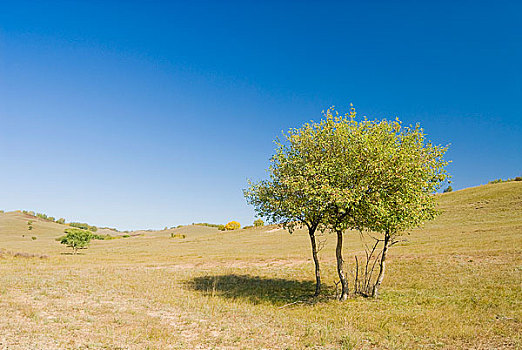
(76, 239)
(232, 225)
(342, 173)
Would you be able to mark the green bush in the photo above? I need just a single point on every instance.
(221, 227)
(177, 235)
(448, 189)
(259, 223)
(60, 221)
(249, 226)
(232, 225)
(206, 224)
(518, 178)
(83, 226)
(33, 238)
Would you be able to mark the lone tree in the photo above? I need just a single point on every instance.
(342, 174)
(76, 239)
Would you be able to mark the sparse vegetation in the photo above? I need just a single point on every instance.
(83, 226)
(497, 181)
(259, 223)
(205, 224)
(448, 189)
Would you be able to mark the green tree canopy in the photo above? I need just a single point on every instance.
(76, 238)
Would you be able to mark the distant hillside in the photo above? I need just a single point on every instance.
(489, 206)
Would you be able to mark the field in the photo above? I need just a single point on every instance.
(456, 283)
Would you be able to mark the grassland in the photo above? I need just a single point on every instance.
(456, 283)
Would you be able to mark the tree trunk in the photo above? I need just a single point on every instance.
(311, 232)
(339, 255)
(382, 265)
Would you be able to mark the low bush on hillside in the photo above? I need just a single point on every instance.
(232, 225)
(83, 226)
(221, 227)
(518, 178)
(247, 227)
(448, 189)
(259, 223)
(206, 224)
(177, 235)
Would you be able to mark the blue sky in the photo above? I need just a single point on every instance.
(152, 114)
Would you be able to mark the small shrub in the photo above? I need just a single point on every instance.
(33, 238)
(205, 224)
(259, 223)
(1, 212)
(221, 227)
(246, 227)
(30, 222)
(448, 189)
(83, 226)
(60, 221)
(101, 237)
(232, 225)
(126, 236)
(30, 228)
(518, 178)
(177, 235)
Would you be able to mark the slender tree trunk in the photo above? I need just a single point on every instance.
(382, 266)
(311, 232)
(339, 256)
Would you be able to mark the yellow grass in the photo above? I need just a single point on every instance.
(454, 284)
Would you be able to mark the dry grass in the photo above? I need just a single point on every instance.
(454, 284)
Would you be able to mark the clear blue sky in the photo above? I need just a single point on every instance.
(151, 114)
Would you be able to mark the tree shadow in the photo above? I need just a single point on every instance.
(256, 289)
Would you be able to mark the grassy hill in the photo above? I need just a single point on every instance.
(456, 283)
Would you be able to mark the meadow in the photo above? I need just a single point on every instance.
(453, 284)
